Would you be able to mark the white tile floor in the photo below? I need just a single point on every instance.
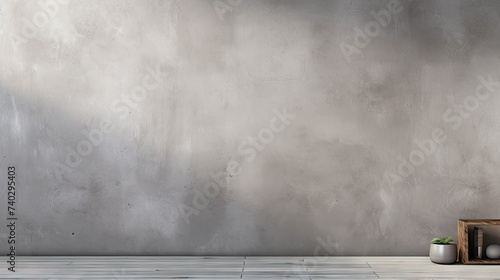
(241, 268)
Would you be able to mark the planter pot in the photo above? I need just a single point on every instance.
(443, 253)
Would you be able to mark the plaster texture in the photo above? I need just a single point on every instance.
(301, 131)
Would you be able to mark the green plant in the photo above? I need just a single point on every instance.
(442, 240)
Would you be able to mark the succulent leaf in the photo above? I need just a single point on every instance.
(442, 240)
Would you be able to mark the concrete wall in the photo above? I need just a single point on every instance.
(248, 127)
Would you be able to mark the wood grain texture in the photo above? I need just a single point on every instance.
(463, 242)
(240, 268)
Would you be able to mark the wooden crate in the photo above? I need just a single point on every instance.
(463, 240)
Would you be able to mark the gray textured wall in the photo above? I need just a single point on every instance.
(248, 127)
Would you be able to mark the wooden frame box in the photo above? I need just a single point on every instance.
(463, 240)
